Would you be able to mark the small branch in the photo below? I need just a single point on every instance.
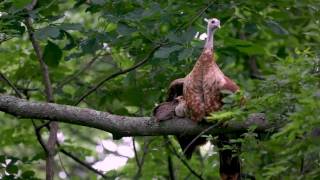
(252, 62)
(76, 75)
(184, 162)
(170, 168)
(135, 152)
(116, 74)
(36, 129)
(43, 66)
(169, 160)
(113, 152)
(39, 138)
(32, 5)
(3, 77)
(197, 16)
(84, 164)
(5, 39)
(199, 135)
(254, 70)
(62, 166)
(140, 161)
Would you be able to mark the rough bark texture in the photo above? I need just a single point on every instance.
(119, 126)
(52, 140)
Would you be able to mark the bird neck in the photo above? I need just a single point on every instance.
(209, 41)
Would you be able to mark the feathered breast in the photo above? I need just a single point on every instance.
(203, 85)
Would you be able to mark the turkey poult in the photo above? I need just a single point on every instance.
(196, 96)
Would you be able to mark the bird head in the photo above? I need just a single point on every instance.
(213, 23)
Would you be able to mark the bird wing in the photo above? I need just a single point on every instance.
(230, 85)
(175, 89)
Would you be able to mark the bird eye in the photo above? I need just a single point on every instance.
(213, 21)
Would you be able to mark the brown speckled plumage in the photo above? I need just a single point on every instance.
(199, 92)
(203, 85)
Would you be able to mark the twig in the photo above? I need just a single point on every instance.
(36, 129)
(5, 39)
(32, 5)
(39, 138)
(170, 163)
(43, 66)
(254, 70)
(3, 77)
(76, 75)
(84, 164)
(73, 157)
(252, 61)
(184, 162)
(62, 166)
(113, 152)
(199, 135)
(116, 74)
(135, 151)
(170, 167)
(140, 162)
(200, 13)
(45, 124)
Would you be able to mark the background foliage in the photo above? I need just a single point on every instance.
(270, 49)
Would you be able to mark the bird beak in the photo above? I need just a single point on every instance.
(206, 20)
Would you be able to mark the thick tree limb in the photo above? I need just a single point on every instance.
(119, 126)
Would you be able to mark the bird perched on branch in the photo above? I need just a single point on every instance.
(203, 85)
(202, 92)
(199, 94)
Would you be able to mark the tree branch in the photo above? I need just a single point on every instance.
(184, 162)
(121, 126)
(140, 161)
(116, 74)
(37, 130)
(52, 140)
(4, 78)
(194, 18)
(86, 165)
(76, 74)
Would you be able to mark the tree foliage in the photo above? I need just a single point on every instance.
(270, 49)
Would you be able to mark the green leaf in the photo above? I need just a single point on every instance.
(2, 159)
(90, 45)
(277, 28)
(252, 50)
(222, 115)
(98, 2)
(12, 169)
(47, 32)
(124, 29)
(71, 44)
(188, 35)
(52, 54)
(70, 26)
(185, 53)
(28, 174)
(165, 52)
(21, 3)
